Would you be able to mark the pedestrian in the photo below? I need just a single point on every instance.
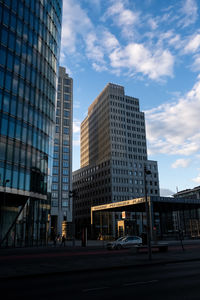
(55, 240)
(63, 241)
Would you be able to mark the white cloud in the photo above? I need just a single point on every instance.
(109, 41)
(153, 24)
(196, 65)
(173, 128)
(193, 44)
(137, 58)
(76, 126)
(75, 24)
(190, 12)
(196, 179)
(122, 17)
(98, 67)
(76, 133)
(181, 162)
(94, 50)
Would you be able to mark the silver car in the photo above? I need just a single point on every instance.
(113, 245)
(125, 242)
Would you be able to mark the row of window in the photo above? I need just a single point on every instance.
(66, 113)
(40, 21)
(64, 171)
(64, 179)
(64, 149)
(64, 156)
(29, 77)
(54, 203)
(65, 187)
(32, 50)
(23, 179)
(18, 130)
(25, 112)
(65, 163)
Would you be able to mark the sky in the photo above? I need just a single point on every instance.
(152, 48)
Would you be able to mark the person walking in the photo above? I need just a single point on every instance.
(63, 241)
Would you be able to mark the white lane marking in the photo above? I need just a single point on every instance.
(140, 282)
(94, 289)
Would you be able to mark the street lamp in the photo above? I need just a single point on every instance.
(147, 172)
(72, 194)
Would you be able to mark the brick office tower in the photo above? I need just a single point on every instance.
(113, 156)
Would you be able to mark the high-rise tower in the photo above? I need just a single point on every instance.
(61, 207)
(113, 153)
(30, 33)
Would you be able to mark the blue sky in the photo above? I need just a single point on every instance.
(152, 48)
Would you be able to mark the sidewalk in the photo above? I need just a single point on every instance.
(30, 262)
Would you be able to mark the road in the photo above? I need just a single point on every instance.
(167, 281)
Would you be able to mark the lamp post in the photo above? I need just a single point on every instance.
(147, 172)
(72, 194)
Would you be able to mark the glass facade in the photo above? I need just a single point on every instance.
(30, 33)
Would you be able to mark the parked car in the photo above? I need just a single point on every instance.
(113, 245)
(125, 242)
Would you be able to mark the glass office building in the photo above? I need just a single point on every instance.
(30, 33)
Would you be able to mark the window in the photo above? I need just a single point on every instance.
(66, 81)
(65, 164)
(66, 130)
(65, 179)
(65, 156)
(65, 149)
(54, 203)
(66, 97)
(55, 179)
(55, 155)
(65, 171)
(55, 170)
(65, 142)
(54, 195)
(66, 122)
(55, 163)
(66, 89)
(65, 187)
(65, 195)
(66, 113)
(54, 187)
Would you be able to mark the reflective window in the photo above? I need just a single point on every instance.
(65, 171)
(65, 164)
(2, 56)
(4, 125)
(65, 179)
(65, 187)
(54, 186)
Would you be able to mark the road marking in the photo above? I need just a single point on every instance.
(94, 289)
(140, 282)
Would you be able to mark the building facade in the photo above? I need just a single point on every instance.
(113, 134)
(188, 221)
(30, 34)
(61, 206)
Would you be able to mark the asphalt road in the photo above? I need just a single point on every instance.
(170, 281)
